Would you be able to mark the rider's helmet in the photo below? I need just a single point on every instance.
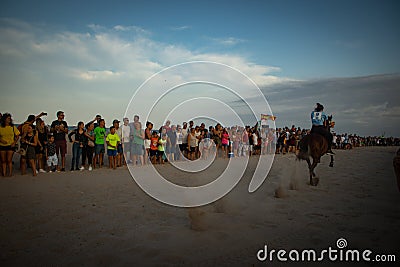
(319, 107)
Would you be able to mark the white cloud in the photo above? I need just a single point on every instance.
(229, 41)
(135, 29)
(91, 64)
(180, 28)
(70, 70)
(365, 105)
(99, 75)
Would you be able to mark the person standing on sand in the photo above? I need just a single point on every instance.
(179, 137)
(113, 141)
(225, 143)
(99, 133)
(88, 146)
(154, 147)
(126, 144)
(40, 148)
(137, 144)
(77, 146)
(191, 144)
(118, 131)
(9, 135)
(59, 128)
(184, 145)
(51, 156)
(162, 142)
(171, 143)
(29, 141)
(147, 141)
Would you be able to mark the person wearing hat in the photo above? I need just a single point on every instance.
(118, 131)
(318, 118)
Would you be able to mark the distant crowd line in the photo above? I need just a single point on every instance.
(43, 148)
(288, 140)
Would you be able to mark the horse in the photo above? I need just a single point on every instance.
(315, 146)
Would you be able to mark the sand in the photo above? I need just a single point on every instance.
(102, 218)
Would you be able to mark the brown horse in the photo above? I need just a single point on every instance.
(315, 146)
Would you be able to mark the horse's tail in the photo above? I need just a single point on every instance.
(304, 149)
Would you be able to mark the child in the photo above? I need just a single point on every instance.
(51, 156)
(205, 144)
(113, 141)
(153, 147)
(162, 142)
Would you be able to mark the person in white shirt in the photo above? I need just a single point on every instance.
(126, 143)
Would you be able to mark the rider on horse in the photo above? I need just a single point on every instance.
(319, 121)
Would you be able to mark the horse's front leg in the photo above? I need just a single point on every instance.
(309, 170)
(331, 163)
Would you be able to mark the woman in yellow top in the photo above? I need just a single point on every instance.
(9, 135)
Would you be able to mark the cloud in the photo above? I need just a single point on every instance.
(180, 28)
(90, 64)
(367, 105)
(229, 41)
(82, 70)
(99, 75)
(131, 29)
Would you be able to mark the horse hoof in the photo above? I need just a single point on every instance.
(315, 181)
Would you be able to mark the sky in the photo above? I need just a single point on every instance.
(90, 57)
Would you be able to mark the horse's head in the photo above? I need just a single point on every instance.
(329, 123)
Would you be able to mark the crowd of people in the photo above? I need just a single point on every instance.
(43, 148)
(288, 140)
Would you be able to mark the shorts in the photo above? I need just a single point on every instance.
(147, 143)
(182, 147)
(136, 149)
(61, 147)
(6, 148)
(126, 146)
(153, 153)
(111, 152)
(225, 145)
(217, 141)
(99, 149)
(119, 149)
(192, 149)
(30, 153)
(52, 160)
(171, 149)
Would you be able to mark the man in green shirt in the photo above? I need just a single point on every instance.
(99, 133)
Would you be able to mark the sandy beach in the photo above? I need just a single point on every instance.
(102, 218)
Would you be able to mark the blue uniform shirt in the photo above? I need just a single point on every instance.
(318, 118)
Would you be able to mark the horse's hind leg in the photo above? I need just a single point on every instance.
(313, 180)
(309, 163)
(331, 163)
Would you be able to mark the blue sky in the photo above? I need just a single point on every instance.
(86, 47)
